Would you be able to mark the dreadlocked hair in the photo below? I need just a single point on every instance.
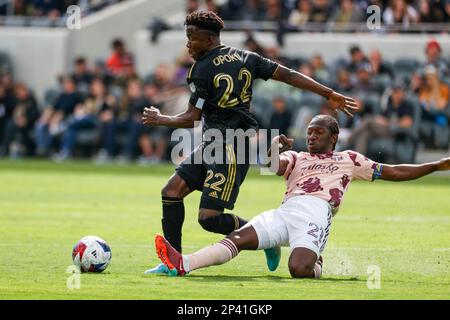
(206, 20)
(331, 124)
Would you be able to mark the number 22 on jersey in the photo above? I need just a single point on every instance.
(225, 101)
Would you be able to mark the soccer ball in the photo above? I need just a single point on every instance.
(91, 254)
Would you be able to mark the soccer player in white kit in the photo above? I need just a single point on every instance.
(316, 182)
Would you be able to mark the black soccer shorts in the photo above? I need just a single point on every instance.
(218, 182)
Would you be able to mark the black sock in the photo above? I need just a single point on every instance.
(172, 221)
(224, 223)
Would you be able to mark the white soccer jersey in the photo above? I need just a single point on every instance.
(326, 176)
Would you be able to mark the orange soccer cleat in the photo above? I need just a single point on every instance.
(171, 258)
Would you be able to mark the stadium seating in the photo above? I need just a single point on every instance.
(382, 82)
(401, 149)
(438, 134)
(403, 68)
(372, 103)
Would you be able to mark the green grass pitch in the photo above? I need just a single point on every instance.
(402, 228)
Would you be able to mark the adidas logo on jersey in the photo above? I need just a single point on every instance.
(214, 194)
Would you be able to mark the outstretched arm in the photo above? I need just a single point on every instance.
(404, 172)
(300, 81)
(153, 117)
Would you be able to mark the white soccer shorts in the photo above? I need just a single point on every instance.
(300, 222)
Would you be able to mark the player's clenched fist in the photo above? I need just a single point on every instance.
(284, 143)
(444, 164)
(151, 116)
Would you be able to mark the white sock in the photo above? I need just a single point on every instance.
(216, 254)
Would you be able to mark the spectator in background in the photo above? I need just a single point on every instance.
(191, 6)
(212, 5)
(21, 8)
(69, 98)
(434, 97)
(301, 14)
(398, 114)
(153, 141)
(52, 122)
(128, 73)
(169, 90)
(400, 12)
(51, 8)
(322, 11)
(447, 10)
(6, 107)
(81, 75)
(106, 116)
(273, 10)
(17, 140)
(183, 65)
(253, 10)
(6, 80)
(135, 102)
(115, 121)
(364, 85)
(357, 58)
(431, 11)
(119, 59)
(231, 9)
(100, 71)
(126, 121)
(347, 12)
(320, 70)
(281, 116)
(434, 94)
(343, 82)
(84, 118)
(363, 4)
(162, 77)
(433, 54)
(378, 66)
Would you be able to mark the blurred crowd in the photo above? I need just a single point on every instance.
(300, 12)
(96, 110)
(287, 16)
(404, 104)
(50, 8)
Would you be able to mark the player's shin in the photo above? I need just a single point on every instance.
(172, 221)
(217, 254)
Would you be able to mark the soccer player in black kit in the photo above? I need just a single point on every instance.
(221, 82)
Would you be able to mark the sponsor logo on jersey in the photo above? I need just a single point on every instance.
(323, 168)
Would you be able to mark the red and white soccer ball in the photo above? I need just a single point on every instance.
(91, 254)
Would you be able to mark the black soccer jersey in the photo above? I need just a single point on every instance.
(221, 82)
